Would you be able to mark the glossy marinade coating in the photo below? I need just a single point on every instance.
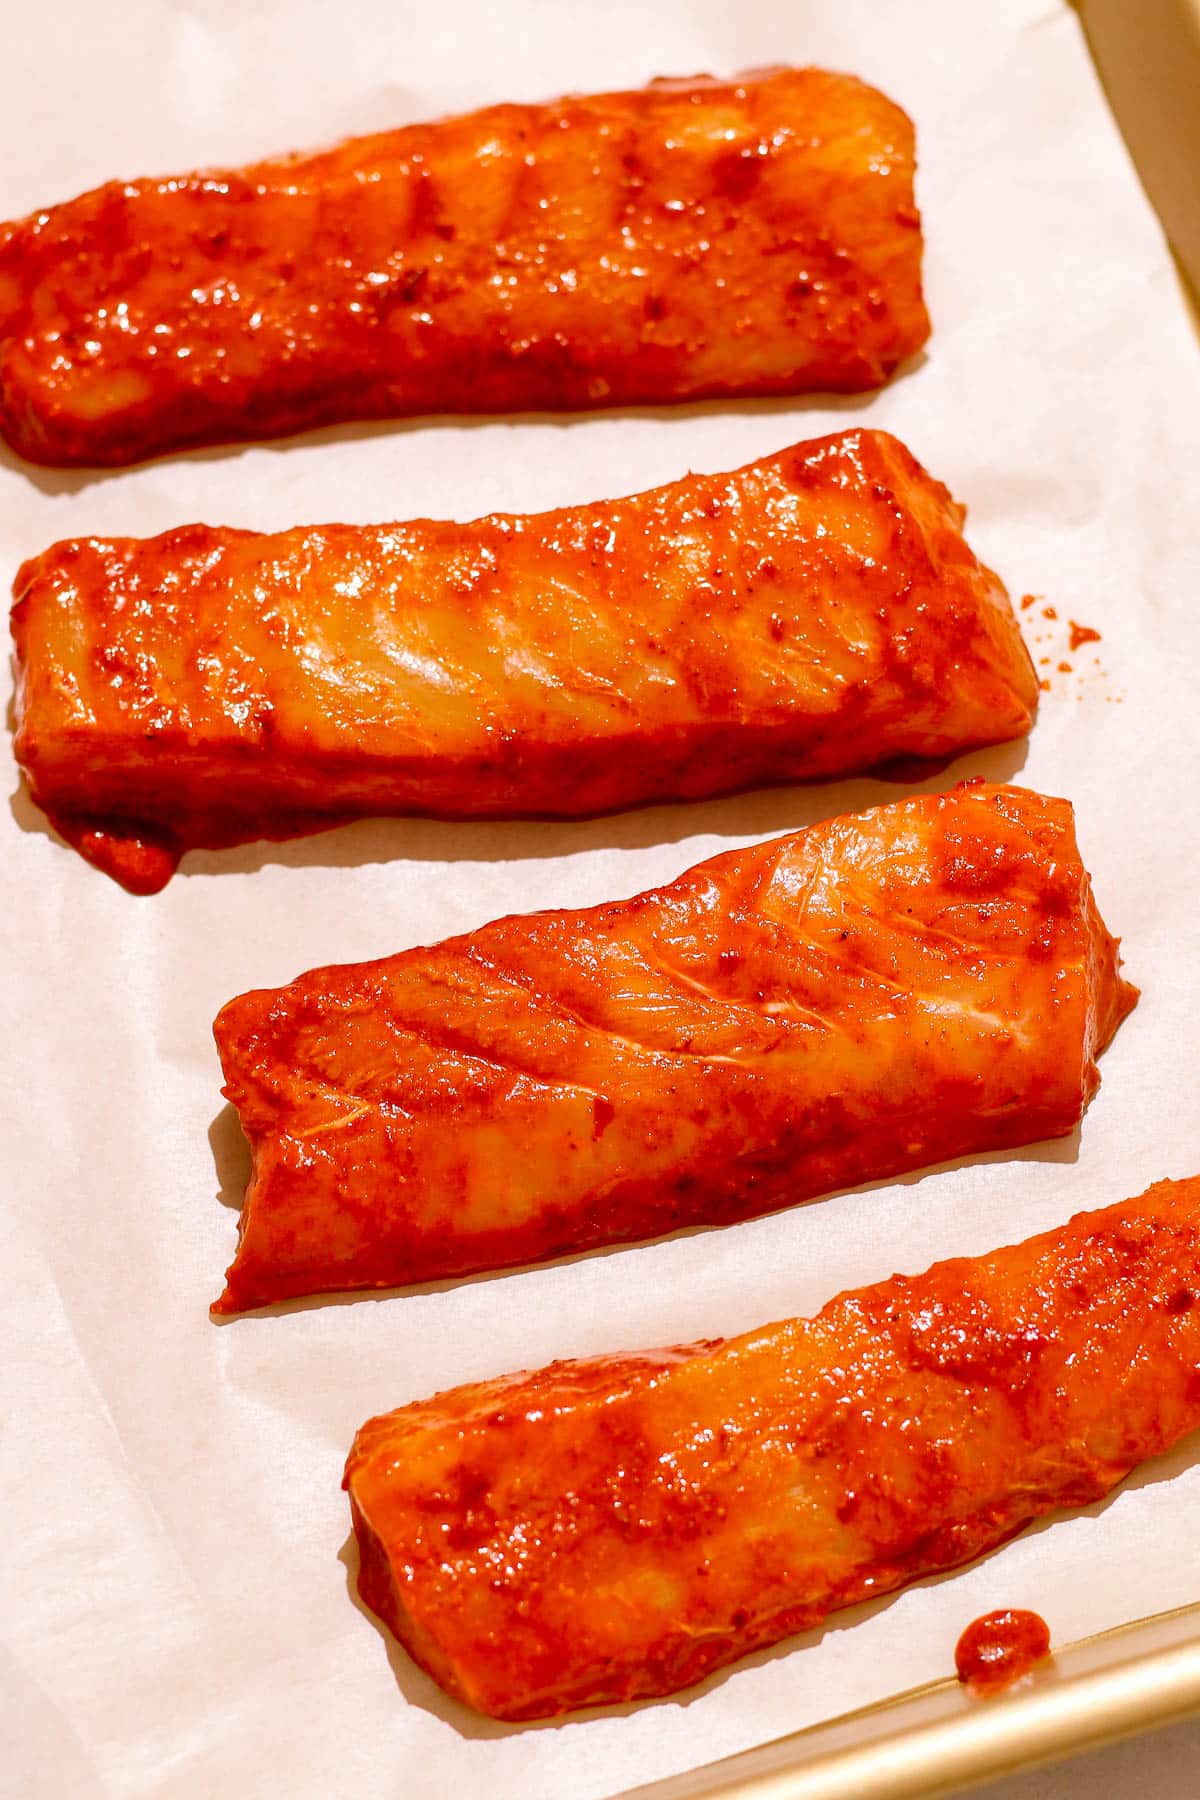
(604, 1530)
(688, 239)
(883, 990)
(813, 613)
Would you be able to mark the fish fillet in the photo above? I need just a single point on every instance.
(814, 613)
(689, 239)
(885, 990)
(604, 1530)
(810, 614)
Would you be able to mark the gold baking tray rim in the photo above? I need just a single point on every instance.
(938, 1739)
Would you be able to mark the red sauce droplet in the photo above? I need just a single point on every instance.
(140, 860)
(1082, 634)
(1044, 685)
(1028, 600)
(1049, 612)
(1064, 668)
(999, 1648)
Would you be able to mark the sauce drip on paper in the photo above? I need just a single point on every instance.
(1050, 639)
(999, 1648)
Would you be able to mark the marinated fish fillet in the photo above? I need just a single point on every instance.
(883, 990)
(604, 1530)
(813, 613)
(689, 239)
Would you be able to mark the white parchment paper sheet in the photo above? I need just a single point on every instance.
(177, 1618)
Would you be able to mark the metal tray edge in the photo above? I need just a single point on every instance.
(938, 1740)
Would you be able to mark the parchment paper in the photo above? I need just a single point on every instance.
(178, 1617)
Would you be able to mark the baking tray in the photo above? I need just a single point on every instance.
(937, 1739)
(176, 1535)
